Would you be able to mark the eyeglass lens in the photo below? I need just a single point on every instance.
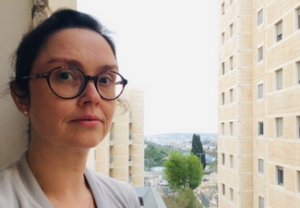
(70, 82)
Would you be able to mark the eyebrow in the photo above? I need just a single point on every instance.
(72, 62)
(76, 63)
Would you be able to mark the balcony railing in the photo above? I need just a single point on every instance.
(130, 178)
(111, 139)
(111, 161)
(130, 160)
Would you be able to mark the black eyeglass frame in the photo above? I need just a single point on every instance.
(47, 75)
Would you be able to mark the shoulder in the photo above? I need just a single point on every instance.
(116, 191)
(6, 179)
(108, 181)
(8, 187)
(113, 185)
(13, 192)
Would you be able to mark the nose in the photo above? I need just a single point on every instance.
(90, 94)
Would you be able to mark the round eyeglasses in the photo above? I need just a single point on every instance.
(68, 82)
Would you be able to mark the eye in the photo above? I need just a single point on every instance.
(65, 76)
(105, 80)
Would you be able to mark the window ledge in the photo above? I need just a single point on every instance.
(260, 62)
(260, 100)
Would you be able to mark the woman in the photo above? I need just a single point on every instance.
(66, 83)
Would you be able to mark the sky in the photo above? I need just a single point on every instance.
(169, 48)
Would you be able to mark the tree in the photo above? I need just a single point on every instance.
(197, 149)
(154, 156)
(183, 171)
(184, 199)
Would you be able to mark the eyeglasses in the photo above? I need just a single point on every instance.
(69, 82)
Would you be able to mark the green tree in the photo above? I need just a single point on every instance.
(154, 156)
(184, 199)
(183, 171)
(197, 149)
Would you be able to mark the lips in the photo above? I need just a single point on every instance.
(88, 120)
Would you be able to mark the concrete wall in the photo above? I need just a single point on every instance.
(15, 19)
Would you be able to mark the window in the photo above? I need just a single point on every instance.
(298, 18)
(231, 95)
(231, 161)
(260, 17)
(231, 30)
(223, 188)
(279, 127)
(223, 128)
(260, 91)
(231, 62)
(223, 68)
(279, 171)
(260, 128)
(279, 31)
(223, 159)
(223, 38)
(231, 128)
(223, 8)
(231, 194)
(223, 98)
(298, 126)
(261, 202)
(298, 72)
(279, 79)
(261, 166)
(260, 54)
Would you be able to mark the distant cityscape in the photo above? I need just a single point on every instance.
(183, 141)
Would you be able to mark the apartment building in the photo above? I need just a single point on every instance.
(121, 153)
(259, 104)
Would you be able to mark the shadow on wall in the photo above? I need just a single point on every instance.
(15, 19)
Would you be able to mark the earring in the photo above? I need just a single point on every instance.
(25, 112)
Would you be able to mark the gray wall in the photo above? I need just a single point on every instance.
(15, 19)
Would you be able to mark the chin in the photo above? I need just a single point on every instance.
(87, 141)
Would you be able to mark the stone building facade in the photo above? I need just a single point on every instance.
(259, 103)
(121, 153)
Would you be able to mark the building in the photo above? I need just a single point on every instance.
(259, 103)
(149, 198)
(121, 153)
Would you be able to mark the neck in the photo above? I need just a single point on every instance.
(58, 170)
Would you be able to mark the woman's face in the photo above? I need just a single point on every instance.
(81, 122)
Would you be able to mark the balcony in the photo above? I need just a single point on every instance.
(111, 140)
(111, 161)
(130, 160)
(130, 138)
(130, 178)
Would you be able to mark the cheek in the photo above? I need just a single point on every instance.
(44, 105)
(42, 112)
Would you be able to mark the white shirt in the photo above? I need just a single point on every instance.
(19, 189)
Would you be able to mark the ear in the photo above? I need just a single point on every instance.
(21, 103)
